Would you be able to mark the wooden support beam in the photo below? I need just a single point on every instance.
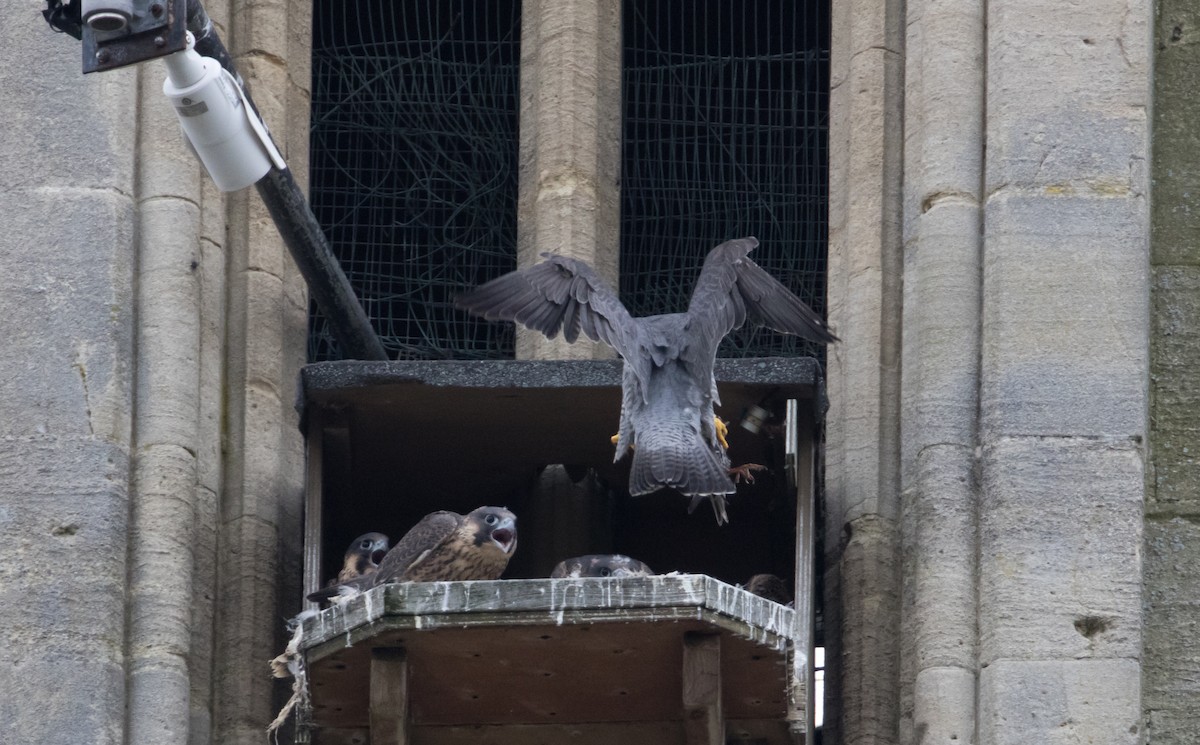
(389, 696)
(313, 499)
(704, 723)
(801, 449)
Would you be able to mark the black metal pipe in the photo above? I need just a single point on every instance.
(298, 225)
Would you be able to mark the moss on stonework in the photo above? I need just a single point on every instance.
(1171, 549)
(1174, 478)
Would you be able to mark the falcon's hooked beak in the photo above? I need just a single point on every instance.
(504, 535)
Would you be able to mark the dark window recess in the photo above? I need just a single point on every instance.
(725, 132)
(413, 165)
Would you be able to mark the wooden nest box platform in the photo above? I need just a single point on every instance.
(680, 657)
(663, 659)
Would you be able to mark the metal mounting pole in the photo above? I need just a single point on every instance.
(154, 31)
(298, 225)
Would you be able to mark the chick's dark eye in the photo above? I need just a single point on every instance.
(605, 571)
(365, 545)
(491, 519)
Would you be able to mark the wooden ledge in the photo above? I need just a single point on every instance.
(523, 602)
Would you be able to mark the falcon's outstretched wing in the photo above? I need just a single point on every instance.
(732, 288)
(564, 294)
(559, 293)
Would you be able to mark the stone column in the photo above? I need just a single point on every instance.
(943, 128)
(568, 198)
(260, 534)
(1171, 673)
(863, 428)
(166, 423)
(1064, 371)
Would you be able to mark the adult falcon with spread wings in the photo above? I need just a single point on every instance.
(443, 546)
(601, 565)
(668, 388)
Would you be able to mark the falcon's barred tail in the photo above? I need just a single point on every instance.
(718, 503)
(692, 468)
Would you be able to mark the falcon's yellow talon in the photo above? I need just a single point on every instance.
(614, 439)
(722, 430)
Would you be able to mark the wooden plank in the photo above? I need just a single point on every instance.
(314, 483)
(801, 447)
(589, 733)
(338, 736)
(389, 696)
(549, 675)
(703, 720)
(669, 732)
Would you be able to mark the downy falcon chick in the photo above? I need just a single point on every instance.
(601, 565)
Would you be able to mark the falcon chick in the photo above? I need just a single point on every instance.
(668, 388)
(770, 587)
(443, 546)
(362, 557)
(601, 565)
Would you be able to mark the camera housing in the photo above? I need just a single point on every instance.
(227, 134)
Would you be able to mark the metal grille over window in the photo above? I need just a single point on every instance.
(413, 165)
(725, 131)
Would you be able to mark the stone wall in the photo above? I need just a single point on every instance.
(985, 460)
(68, 252)
(154, 328)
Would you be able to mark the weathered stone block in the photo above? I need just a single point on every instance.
(66, 301)
(950, 64)
(1175, 425)
(944, 363)
(260, 28)
(1065, 318)
(1060, 549)
(64, 516)
(1060, 702)
(944, 566)
(63, 130)
(944, 706)
(1060, 152)
(1044, 55)
(1172, 597)
(868, 655)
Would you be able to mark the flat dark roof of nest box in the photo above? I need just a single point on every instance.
(534, 411)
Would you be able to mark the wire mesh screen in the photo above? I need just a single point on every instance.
(725, 123)
(413, 165)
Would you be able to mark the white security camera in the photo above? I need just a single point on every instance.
(218, 121)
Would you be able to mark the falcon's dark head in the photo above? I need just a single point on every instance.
(770, 587)
(494, 526)
(365, 553)
(601, 565)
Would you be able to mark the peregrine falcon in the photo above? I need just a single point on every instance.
(362, 557)
(668, 388)
(442, 546)
(601, 565)
(770, 587)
